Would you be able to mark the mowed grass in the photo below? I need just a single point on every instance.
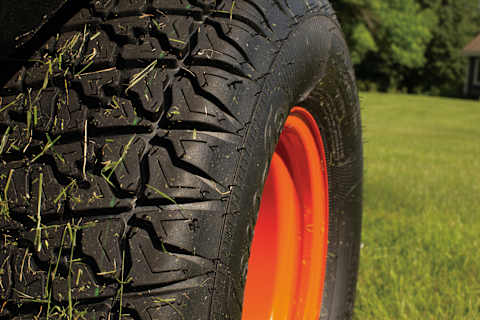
(420, 257)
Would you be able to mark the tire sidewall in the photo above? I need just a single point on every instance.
(312, 70)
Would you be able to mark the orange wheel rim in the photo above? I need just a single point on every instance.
(286, 269)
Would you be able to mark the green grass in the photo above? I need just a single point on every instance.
(420, 256)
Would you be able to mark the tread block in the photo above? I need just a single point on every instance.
(164, 5)
(148, 50)
(119, 112)
(229, 90)
(49, 100)
(99, 196)
(179, 31)
(104, 246)
(247, 10)
(200, 111)
(56, 243)
(103, 51)
(84, 16)
(29, 281)
(212, 152)
(70, 114)
(186, 226)
(136, 6)
(28, 201)
(83, 285)
(92, 82)
(176, 182)
(6, 272)
(70, 162)
(17, 193)
(212, 47)
(174, 301)
(127, 152)
(131, 26)
(154, 264)
(103, 8)
(149, 92)
(52, 192)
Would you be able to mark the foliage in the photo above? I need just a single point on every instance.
(409, 45)
(458, 23)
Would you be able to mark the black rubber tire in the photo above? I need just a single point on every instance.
(132, 169)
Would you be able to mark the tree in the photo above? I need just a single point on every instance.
(398, 31)
(411, 45)
(444, 71)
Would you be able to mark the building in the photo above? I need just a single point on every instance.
(472, 81)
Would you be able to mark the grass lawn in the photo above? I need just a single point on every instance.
(421, 228)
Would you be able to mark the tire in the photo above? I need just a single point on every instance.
(135, 146)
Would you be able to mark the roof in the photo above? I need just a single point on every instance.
(473, 48)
